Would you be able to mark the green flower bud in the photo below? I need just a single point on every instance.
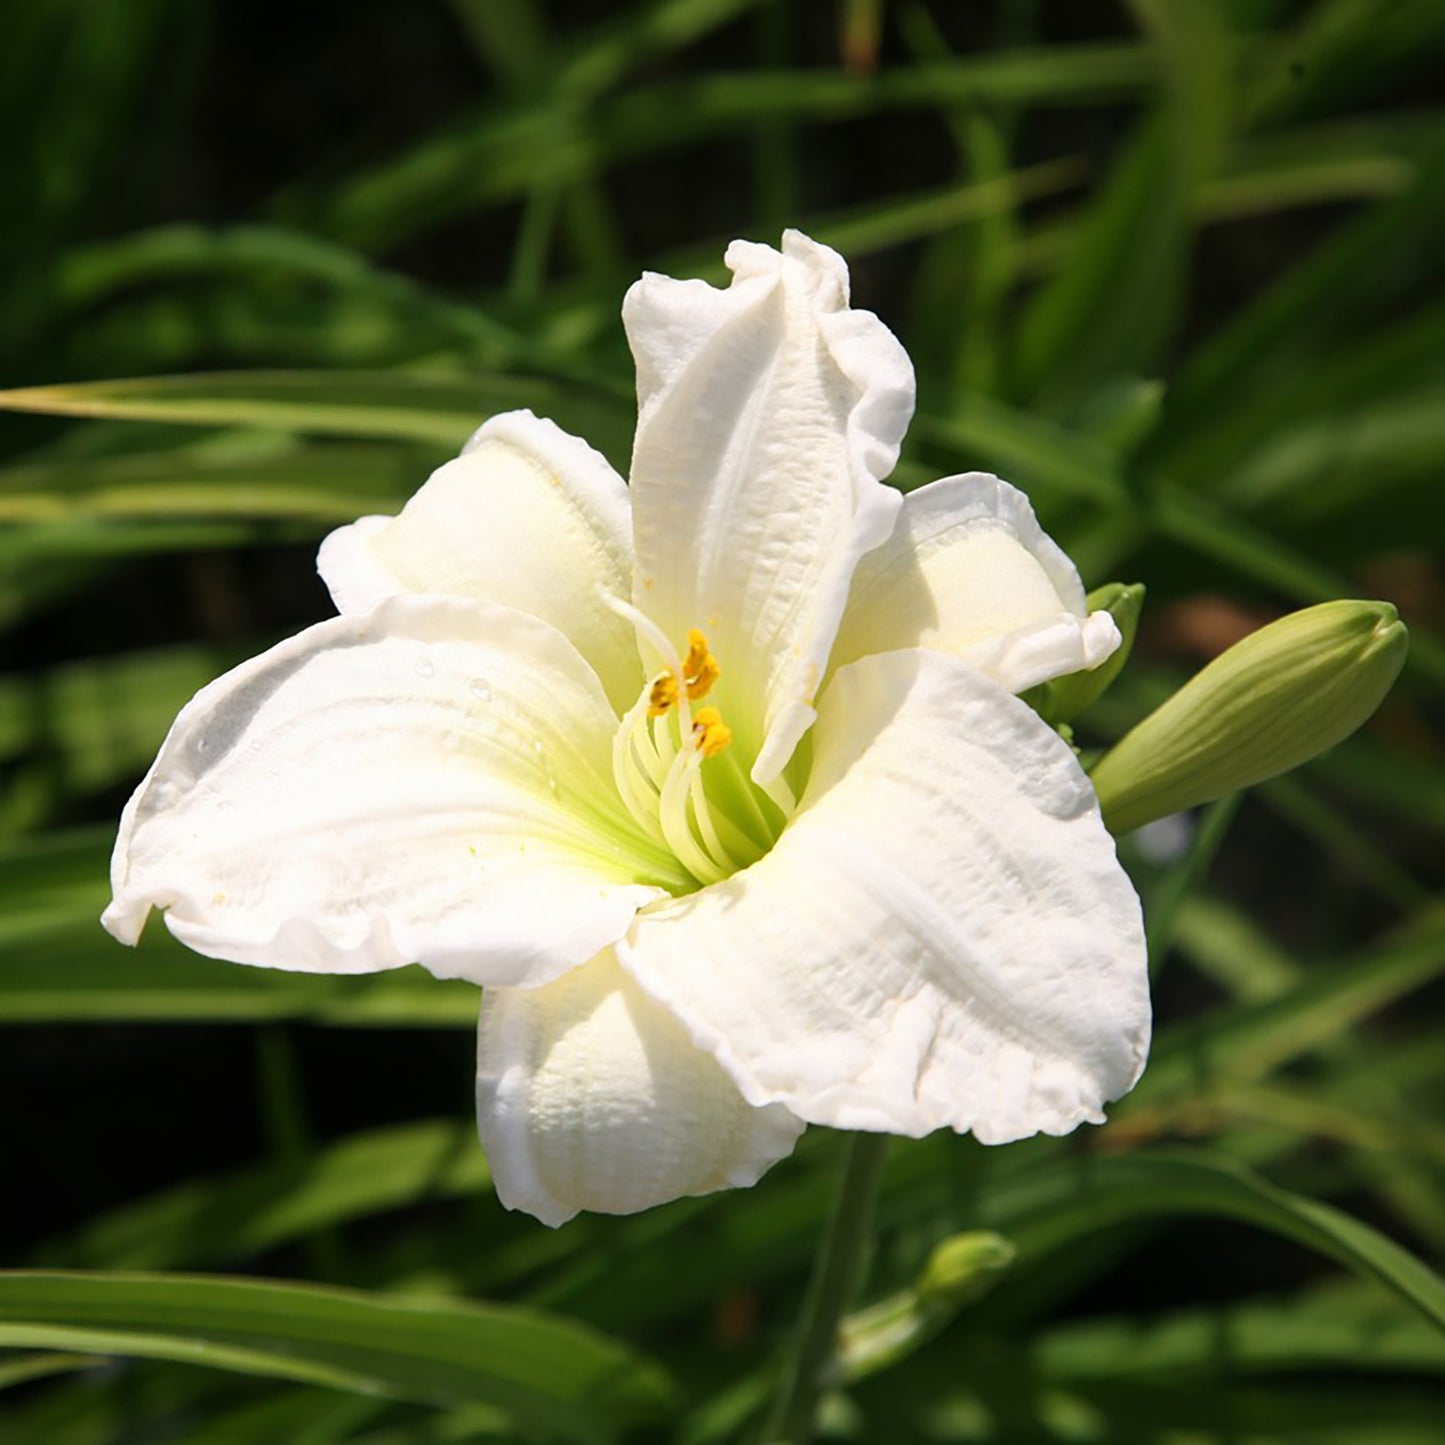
(960, 1270)
(1273, 701)
(1063, 699)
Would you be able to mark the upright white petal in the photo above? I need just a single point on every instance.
(768, 413)
(590, 1096)
(941, 937)
(429, 783)
(968, 570)
(528, 517)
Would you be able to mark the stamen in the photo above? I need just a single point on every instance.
(699, 668)
(659, 751)
(710, 734)
(672, 815)
(631, 774)
(655, 636)
(656, 749)
(663, 696)
(707, 824)
(699, 671)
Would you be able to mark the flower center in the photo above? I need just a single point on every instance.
(675, 772)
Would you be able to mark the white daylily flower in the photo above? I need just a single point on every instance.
(718, 783)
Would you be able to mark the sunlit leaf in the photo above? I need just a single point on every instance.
(547, 1374)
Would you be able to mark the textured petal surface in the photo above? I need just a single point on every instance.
(768, 413)
(429, 783)
(941, 937)
(527, 517)
(590, 1096)
(968, 570)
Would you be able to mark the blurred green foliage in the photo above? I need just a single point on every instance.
(1174, 268)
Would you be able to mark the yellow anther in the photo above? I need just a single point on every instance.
(699, 672)
(663, 696)
(710, 734)
(699, 668)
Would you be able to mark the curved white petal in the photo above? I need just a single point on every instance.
(590, 1096)
(768, 414)
(429, 783)
(968, 570)
(942, 936)
(527, 517)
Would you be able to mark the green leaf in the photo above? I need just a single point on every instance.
(1330, 464)
(1391, 780)
(1225, 944)
(553, 1377)
(321, 1417)
(79, 548)
(1114, 303)
(858, 231)
(1343, 50)
(21, 1369)
(99, 721)
(1031, 451)
(1339, 1328)
(76, 973)
(1339, 1120)
(1352, 160)
(509, 35)
(1338, 835)
(409, 406)
(387, 404)
(1163, 901)
(1350, 279)
(205, 1222)
(500, 154)
(1068, 1204)
(246, 262)
(1247, 1042)
(1216, 532)
(901, 219)
(322, 484)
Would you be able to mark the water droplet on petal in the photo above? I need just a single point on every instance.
(425, 667)
(546, 765)
(480, 689)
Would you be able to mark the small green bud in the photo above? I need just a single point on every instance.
(1273, 701)
(960, 1270)
(1063, 699)
(963, 1265)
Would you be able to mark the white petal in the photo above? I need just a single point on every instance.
(590, 1096)
(430, 783)
(527, 517)
(768, 413)
(941, 937)
(968, 570)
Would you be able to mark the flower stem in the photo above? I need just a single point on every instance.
(836, 1271)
